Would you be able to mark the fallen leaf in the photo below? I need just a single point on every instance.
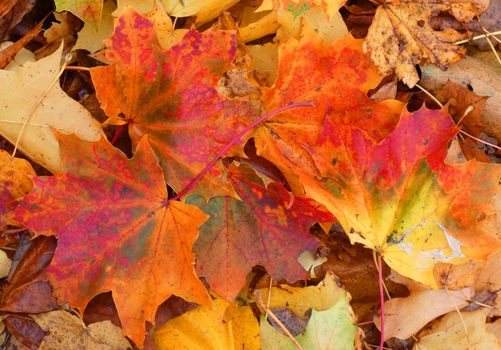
(15, 182)
(89, 11)
(473, 74)
(204, 10)
(337, 78)
(12, 14)
(331, 325)
(171, 95)
(404, 317)
(321, 16)
(401, 36)
(118, 234)
(239, 235)
(399, 198)
(221, 326)
(66, 331)
(31, 93)
(449, 333)
(91, 37)
(6, 55)
(27, 289)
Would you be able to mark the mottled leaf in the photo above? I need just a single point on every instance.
(336, 77)
(401, 35)
(116, 232)
(239, 235)
(171, 95)
(15, 182)
(399, 198)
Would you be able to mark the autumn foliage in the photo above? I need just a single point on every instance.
(204, 249)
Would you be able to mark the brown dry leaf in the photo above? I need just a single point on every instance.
(403, 317)
(8, 54)
(12, 15)
(401, 35)
(449, 333)
(68, 332)
(481, 78)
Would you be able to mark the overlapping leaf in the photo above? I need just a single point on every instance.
(30, 94)
(88, 10)
(401, 35)
(15, 182)
(223, 326)
(171, 95)
(336, 77)
(116, 231)
(239, 235)
(399, 198)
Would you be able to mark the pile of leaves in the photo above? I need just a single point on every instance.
(275, 174)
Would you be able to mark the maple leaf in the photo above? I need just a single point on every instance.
(336, 77)
(402, 36)
(239, 235)
(116, 232)
(29, 92)
(399, 198)
(223, 325)
(15, 182)
(89, 11)
(171, 95)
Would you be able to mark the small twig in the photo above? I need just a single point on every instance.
(479, 140)
(430, 95)
(237, 138)
(478, 37)
(467, 111)
(85, 69)
(491, 45)
(277, 320)
(460, 316)
(381, 299)
(269, 297)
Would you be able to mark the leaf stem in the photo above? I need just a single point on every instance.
(221, 153)
(381, 298)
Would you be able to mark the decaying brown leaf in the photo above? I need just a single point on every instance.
(402, 36)
(67, 331)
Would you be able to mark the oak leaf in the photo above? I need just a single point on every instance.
(239, 235)
(31, 93)
(171, 95)
(116, 232)
(399, 198)
(401, 35)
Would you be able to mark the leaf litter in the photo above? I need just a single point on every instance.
(188, 90)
